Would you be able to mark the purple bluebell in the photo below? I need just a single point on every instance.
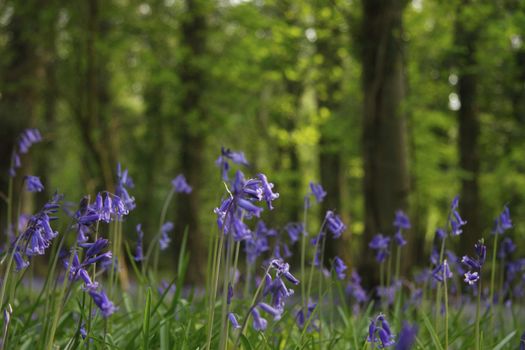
(503, 222)
(294, 230)
(267, 189)
(124, 181)
(455, 220)
(335, 224)
(83, 332)
(317, 191)
(407, 337)
(471, 277)
(27, 138)
(93, 254)
(379, 332)
(340, 267)
(19, 261)
(235, 157)
(103, 303)
(442, 271)
(33, 184)
(106, 208)
(180, 184)
(165, 240)
(301, 317)
(399, 239)
(522, 341)
(230, 294)
(259, 323)
(355, 289)
(37, 236)
(233, 321)
(139, 254)
(239, 205)
(380, 244)
(507, 248)
(257, 244)
(287, 253)
(283, 269)
(401, 221)
(275, 312)
(440, 234)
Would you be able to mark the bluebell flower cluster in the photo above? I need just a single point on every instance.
(294, 230)
(401, 222)
(455, 220)
(224, 165)
(139, 249)
(180, 184)
(506, 249)
(503, 222)
(381, 245)
(301, 316)
(165, 240)
(124, 181)
(355, 289)
(257, 243)
(442, 271)
(379, 332)
(38, 234)
(106, 208)
(240, 205)
(407, 337)
(278, 292)
(475, 264)
(26, 139)
(335, 224)
(33, 184)
(340, 268)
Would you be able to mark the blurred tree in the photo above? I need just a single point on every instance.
(386, 180)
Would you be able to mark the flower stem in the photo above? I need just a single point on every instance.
(492, 282)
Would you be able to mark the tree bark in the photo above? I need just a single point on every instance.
(466, 37)
(192, 128)
(386, 180)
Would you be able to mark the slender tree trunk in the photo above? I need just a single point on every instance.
(466, 40)
(386, 180)
(192, 127)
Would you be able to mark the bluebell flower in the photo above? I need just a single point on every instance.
(401, 220)
(103, 303)
(440, 234)
(180, 184)
(27, 138)
(380, 243)
(507, 247)
(399, 239)
(503, 222)
(268, 194)
(442, 271)
(318, 192)
(407, 337)
(165, 240)
(522, 341)
(257, 244)
(335, 224)
(294, 230)
(355, 289)
(455, 220)
(124, 181)
(33, 184)
(471, 277)
(275, 312)
(259, 323)
(340, 268)
(139, 254)
(19, 261)
(233, 321)
(235, 157)
(379, 332)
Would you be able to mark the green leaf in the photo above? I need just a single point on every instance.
(505, 340)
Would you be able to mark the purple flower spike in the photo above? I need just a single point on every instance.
(318, 192)
(399, 239)
(181, 185)
(233, 321)
(33, 184)
(455, 220)
(294, 230)
(26, 139)
(379, 332)
(259, 323)
(442, 271)
(503, 222)
(103, 303)
(407, 337)
(139, 255)
(340, 268)
(335, 224)
(124, 181)
(165, 240)
(276, 313)
(401, 221)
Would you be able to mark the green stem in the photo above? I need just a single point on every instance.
(492, 282)
(446, 306)
(478, 307)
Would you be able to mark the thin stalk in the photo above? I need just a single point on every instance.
(478, 318)
(308, 290)
(304, 236)
(226, 282)
(215, 284)
(492, 282)
(446, 307)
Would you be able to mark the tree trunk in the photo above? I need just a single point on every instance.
(466, 40)
(386, 180)
(192, 128)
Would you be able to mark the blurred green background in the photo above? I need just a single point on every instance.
(389, 104)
